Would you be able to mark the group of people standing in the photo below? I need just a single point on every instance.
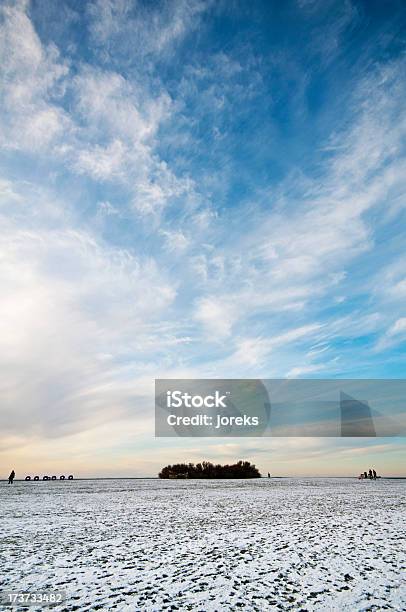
(371, 475)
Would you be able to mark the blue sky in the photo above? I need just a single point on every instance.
(195, 189)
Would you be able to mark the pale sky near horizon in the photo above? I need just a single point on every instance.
(196, 188)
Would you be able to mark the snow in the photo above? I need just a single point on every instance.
(269, 544)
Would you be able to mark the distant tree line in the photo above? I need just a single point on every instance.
(241, 469)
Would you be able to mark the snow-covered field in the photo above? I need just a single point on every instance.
(289, 544)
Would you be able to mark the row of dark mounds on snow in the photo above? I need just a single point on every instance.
(241, 469)
(70, 477)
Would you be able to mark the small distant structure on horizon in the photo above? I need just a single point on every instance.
(45, 477)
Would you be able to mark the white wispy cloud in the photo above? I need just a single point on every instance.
(119, 26)
(33, 76)
(68, 300)
(396, 334)
(292, 255)
(256, 351)
(109, 133)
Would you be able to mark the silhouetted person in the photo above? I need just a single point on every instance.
(374, 473)
(365, 475)
(370, 474)
(11, 477)
(269, 475)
